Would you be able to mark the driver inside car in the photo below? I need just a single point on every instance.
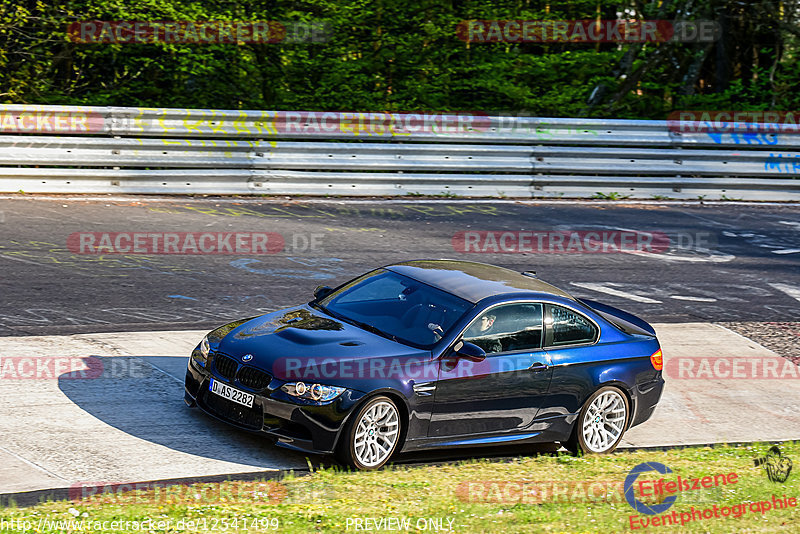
(481, 333)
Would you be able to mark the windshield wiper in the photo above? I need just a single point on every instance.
(374, 330)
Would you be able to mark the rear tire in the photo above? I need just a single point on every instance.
(601, 423)
(372, 435)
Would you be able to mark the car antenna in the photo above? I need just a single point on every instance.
(532, 274)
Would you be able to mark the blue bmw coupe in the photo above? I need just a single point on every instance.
(432, 354)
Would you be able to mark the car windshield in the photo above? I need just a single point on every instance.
(397, 307)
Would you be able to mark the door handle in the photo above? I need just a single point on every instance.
(537, 367)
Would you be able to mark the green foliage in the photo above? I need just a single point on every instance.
(547, 492)
(394, 55)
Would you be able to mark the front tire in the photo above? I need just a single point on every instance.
(601, 423)
(372, 435)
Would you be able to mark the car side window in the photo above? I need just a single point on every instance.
(570, 327)
(510, 327)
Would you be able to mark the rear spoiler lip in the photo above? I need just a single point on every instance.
(628, 323)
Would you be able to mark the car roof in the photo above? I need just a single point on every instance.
(473, 281)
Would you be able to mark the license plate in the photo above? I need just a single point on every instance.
(232, 394)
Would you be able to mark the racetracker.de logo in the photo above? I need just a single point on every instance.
(731, 368)
(197, 32)
(258, 492)
(50, 368)
(376, 123)
(587, 31)
(560, 242)
(743, 122)
(395, 368)
(538, 492)
(175, 243)
(39, 121)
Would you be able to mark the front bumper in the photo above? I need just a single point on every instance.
(310, 428)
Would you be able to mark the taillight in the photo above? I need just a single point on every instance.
(657, 360)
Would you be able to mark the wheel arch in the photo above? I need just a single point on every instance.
(399, 401)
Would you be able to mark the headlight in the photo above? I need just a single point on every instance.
(315, 392)
(205, 348)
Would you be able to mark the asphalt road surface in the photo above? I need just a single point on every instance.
(705, 263)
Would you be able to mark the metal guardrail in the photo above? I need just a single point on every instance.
(60, 149)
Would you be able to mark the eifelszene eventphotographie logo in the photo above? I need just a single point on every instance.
(630, 495)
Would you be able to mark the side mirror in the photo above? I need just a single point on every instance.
(322, 291)
(470, 351)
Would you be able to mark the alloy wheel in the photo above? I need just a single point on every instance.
(376, 434)
(604, 421)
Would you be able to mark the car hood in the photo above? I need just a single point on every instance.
(304, 336)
